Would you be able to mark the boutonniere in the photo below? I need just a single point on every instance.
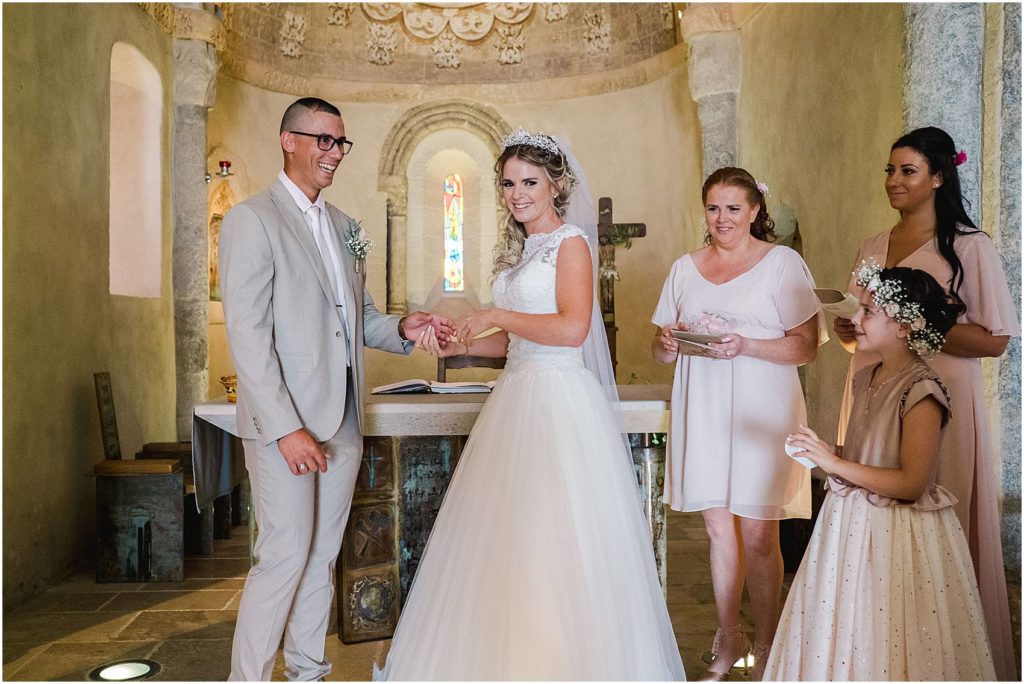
(358, 245)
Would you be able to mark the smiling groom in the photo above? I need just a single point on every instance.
(298, 315)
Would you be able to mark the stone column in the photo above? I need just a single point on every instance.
(942, 81)
(714, 75)
(195, 71)
(1008, 243)
(398, 193)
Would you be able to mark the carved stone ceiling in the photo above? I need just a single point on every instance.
(439, 43)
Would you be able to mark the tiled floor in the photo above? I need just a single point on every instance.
(187, 627)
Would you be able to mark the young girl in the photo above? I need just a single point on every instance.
(886, 590)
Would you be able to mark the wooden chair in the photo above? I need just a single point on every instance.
(198, 529)
(182, 451)
(466, 361)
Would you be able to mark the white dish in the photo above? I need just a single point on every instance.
(793, 452)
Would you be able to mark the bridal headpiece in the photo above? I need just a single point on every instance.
(538, 140)
(890, 297)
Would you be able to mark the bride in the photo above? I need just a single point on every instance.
(539, 565)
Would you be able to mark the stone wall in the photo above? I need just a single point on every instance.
(61, 324)
(819, 107)
(280, 44)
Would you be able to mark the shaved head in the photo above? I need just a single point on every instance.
(300, 109)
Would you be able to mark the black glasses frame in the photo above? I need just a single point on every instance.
(329, 140)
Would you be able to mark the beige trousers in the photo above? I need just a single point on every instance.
(289, 590)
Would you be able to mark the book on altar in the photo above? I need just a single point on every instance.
(836, 302)
(417, 386)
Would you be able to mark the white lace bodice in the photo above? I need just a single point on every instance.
(529, 287)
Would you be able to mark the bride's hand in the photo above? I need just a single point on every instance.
(472, 325)
(428, 342)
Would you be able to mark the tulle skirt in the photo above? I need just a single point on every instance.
(883, 593)
(540, 564)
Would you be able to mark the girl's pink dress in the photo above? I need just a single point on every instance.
(968, 465)
(886, 589)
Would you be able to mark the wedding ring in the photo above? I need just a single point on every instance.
(302, 466)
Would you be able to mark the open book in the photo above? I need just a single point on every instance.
(841, 304)
(417, 386)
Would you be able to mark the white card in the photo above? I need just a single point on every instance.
(792, 451)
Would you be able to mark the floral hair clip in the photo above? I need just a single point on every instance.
(525, 138)
(959, 158)
(890, 297)
(762, 188)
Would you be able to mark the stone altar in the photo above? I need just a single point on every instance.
(412, 447)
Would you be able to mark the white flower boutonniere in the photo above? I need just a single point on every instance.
(358, 245)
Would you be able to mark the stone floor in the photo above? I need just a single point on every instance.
(187, 627)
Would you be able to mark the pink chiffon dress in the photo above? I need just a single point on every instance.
(969, 467)
(886, 589)
(730, 417)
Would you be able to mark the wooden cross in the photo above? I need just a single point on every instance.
(610, 235)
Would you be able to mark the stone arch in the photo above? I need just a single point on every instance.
(403, 138)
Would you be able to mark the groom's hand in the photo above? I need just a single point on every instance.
(302, 453)
(412, 325)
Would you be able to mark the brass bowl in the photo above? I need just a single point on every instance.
(230, 383)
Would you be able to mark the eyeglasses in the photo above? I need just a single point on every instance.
(327, 142)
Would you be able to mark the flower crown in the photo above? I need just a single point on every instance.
(527, 139)
(890, 297)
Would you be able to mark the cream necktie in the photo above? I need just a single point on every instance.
(320, 237)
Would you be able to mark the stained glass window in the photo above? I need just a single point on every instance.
(453, 256)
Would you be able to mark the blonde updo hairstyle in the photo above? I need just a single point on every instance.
(511, 233)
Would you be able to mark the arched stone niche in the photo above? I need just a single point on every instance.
(438, 155)
(222, 198)
(223, 195)
(452, 115)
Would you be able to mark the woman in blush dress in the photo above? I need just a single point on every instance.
(540, 564)
(734, 402)
(935, 234)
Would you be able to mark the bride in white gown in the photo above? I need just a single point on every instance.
(540, 564)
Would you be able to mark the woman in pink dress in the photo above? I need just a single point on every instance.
(935, 234)
(734, 402)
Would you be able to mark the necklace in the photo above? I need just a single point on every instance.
(879, 388)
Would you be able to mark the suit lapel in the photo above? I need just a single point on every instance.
(297, 226)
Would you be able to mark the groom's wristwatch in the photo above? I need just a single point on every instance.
(401, 333)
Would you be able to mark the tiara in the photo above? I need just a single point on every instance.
(527, 139)
(890, 297)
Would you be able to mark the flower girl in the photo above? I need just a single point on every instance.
(886, 590)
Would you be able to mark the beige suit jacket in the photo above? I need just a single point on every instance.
(287, 337)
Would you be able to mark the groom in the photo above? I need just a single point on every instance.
(298, 314)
